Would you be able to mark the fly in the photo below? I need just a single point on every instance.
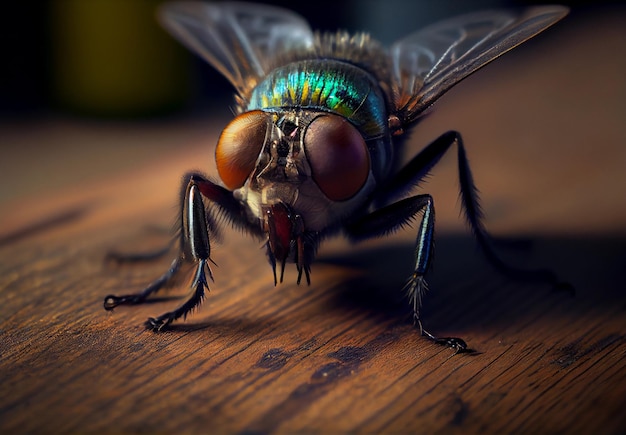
(316, 144)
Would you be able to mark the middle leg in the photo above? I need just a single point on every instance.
(419, 167)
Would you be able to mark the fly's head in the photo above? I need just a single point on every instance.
(298, 172)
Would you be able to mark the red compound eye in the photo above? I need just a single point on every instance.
(338, 156)
(239, 147)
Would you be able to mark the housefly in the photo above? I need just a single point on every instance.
(315, 147)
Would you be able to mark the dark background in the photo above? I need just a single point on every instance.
(35, 37)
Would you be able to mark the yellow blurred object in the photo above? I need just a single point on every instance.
(111, 58)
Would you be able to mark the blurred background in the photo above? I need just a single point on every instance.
(91, 86)
(110, 58)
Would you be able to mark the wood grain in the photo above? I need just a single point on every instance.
(339, 355)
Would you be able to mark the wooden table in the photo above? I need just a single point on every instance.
(545, 134)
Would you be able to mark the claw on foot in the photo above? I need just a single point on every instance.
(458, 344)
(157, 324)
(112, 301)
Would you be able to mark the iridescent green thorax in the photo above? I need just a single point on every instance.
(325, 85)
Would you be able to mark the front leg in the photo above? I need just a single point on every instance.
(196, 228)
(196, 249)
(389, 219)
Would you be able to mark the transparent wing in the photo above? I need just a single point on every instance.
(429, 62)
(238, 39)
